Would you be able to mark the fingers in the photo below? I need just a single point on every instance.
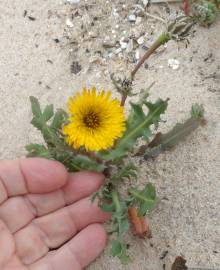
(52, 230)
(77, 253)
(78, 186)
(42, 175)
(35, 175)
(63, 224)
(88, 244)
(7, 245)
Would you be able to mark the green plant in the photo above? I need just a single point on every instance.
(126, 206)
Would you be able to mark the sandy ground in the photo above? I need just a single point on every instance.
(187, 222)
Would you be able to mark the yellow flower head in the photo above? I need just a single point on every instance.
(96, 120)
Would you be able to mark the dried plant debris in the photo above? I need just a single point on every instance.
(179, 264)
(75, 67)
(140, 227)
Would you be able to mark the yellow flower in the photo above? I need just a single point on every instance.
(95, 122)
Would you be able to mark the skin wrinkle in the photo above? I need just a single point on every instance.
(30, 206)
(46, 264)
(73, 229)
(75, 257)
(21, 228)
(38, 210)
(23, 176)
(3, 227)
(63, 197)
(43, 235)
(5, 189)
(33, 216)
(76, 226)
(73, 222)
(51, 254)
(23, 259)
(31, 213)
(7, 178)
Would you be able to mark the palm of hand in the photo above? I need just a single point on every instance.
(47, 221)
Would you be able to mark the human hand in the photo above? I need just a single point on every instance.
(47, 220)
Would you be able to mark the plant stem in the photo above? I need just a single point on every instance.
(116, 201)
(123, 99)
(164, 38)
(94, 157)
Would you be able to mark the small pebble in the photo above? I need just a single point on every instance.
(137, 54)
(108, 44)
(93, 34)
(69, 23)
(173, 63)
(123, 45)
(56, 40)
(117, 51)
(132, 18)
(73, 1)
(140, 41)
(145, 2)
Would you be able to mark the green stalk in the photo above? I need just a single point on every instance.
(115, 199)
(164, 38)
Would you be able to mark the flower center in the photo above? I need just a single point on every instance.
(91, 120)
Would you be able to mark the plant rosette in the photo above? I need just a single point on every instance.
(96, 135)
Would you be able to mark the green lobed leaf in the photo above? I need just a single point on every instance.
(50, 133)
(138, 125)
(124, 225)
(35, 106)
(178, 133)
(38, 123)
(59, 119)
(37, 150)
(86, 163)
(126, 172)
(107, 207)
(48, 112)
(119, 250)
(116, 249)
(75, 162)
(50, 136)
(145, 198)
